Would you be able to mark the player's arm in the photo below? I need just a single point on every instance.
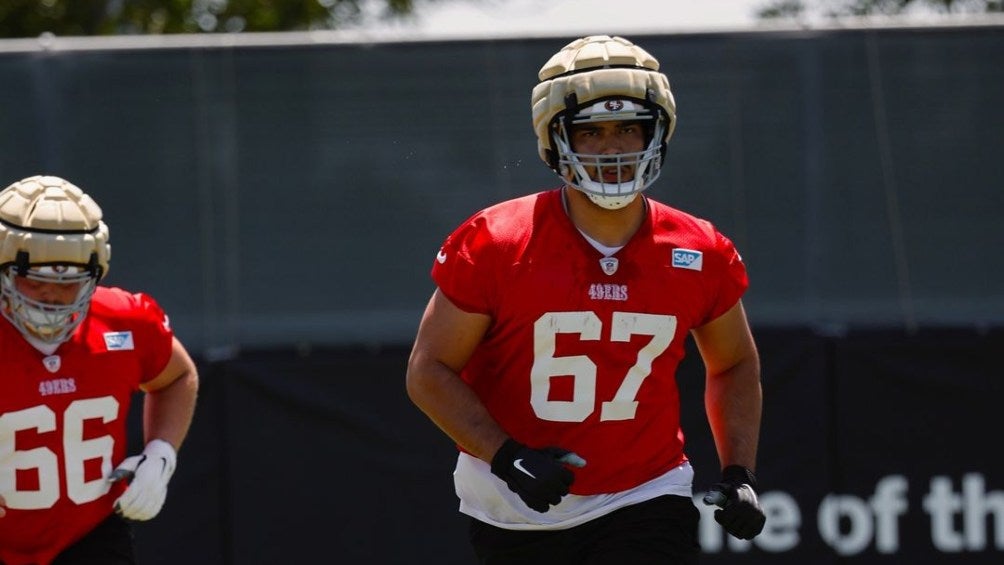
(169, 403)
(732, 395)
(447, 337)
(167, 414)
(733, 401)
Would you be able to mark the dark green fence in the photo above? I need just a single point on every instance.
(296, 193)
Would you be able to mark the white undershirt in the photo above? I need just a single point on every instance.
(487, 498)
(606, 250)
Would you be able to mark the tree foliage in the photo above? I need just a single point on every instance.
(29, 18)
(839, 8)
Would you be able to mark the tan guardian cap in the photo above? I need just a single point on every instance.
(48, 220)
(592, 68)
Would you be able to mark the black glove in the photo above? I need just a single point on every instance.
(538, 476)
(740, 512)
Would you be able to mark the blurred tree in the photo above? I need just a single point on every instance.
(796, 9)
(29, 18)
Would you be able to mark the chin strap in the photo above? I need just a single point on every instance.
(612, 202)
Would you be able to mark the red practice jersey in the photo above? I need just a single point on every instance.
(63, 421)
(582, 350)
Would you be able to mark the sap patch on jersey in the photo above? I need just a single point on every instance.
(688, 259)
(119, 341)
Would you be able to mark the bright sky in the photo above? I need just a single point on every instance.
(578, 17)
(495, 18)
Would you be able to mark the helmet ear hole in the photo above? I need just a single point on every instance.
(552, 159)
(21, 263)
(94, 267)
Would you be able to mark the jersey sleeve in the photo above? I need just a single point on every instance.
(464, 267)
(733, 279)
(154, 333)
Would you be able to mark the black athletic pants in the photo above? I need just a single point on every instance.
(658, 531)
(111, 543)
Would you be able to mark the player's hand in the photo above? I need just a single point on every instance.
(3, 507)
(739, 510)
(538, 476)
(148, 475)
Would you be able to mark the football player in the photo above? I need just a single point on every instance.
(73, 355)
(549, 349)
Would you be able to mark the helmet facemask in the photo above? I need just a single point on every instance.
(611, 181)
(47, 321)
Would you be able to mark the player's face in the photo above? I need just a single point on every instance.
(48, 292)
(609, 138)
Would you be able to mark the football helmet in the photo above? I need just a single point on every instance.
(603, 78)
(50, 232)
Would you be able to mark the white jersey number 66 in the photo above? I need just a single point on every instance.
(45, 463)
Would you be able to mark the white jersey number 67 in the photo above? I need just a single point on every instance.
(588, 326)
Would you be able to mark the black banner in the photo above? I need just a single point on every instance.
(877, 447)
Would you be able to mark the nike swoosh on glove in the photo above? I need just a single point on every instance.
(149, 474)
(538, 476)
(739, 509)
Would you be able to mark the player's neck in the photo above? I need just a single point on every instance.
(610, 227)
